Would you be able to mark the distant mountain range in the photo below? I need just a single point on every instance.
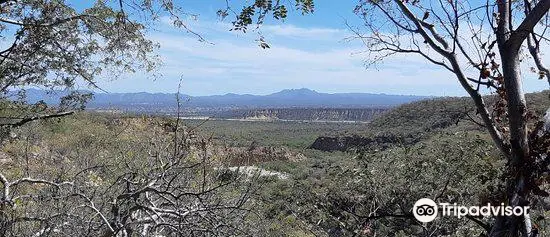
(283, 99)
(288, 98)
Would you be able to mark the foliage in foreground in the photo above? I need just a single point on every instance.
(104, 176)
(368, 192)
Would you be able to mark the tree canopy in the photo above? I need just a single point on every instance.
(57, 44)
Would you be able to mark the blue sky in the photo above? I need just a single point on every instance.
(306, 51)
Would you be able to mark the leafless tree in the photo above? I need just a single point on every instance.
(461, 36)
(481, 43)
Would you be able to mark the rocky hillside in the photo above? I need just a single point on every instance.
(410, 123)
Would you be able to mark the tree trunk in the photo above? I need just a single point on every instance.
(516, 191)
(517, 108)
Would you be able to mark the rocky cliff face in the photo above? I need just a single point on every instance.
(323, 114)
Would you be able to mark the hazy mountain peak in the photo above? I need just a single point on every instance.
(296, 92)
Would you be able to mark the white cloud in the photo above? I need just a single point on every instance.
(310, 33)
(230, 61)
(234, 63)
(280, 30)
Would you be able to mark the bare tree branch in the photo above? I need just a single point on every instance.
(526, 27)
(38, 117)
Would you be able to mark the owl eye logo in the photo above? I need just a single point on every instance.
(425, 210)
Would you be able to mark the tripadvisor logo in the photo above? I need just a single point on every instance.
(426, 210)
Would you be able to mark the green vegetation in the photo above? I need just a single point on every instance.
(363, 192)
(271, 133)
(103, 175)
(117, 175)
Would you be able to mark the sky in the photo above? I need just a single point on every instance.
(311, 51)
